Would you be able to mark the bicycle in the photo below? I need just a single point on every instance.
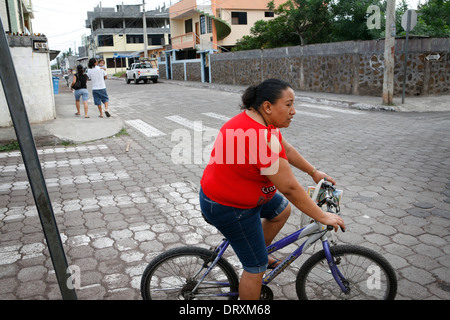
(335, 272)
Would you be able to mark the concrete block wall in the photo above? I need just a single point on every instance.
(35, 80)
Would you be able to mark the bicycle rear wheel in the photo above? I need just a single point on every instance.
(369, 276)
(174, 275)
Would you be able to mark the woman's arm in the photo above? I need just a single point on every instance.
(288, 185)
(73, 81)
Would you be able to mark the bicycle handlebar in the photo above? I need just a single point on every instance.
(329, 199)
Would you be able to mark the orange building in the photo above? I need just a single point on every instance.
(200, 25)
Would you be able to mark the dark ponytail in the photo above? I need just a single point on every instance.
(268, 90)
(91, 63)
(80, 70)
(249, 97)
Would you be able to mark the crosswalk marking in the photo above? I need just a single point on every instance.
(194, 125)
(57, 182)
(311, 114)
(145, 128)
(216, 116)
(12, 154)
(61, 163)
(17, 213)
(151, 131)
(183, 195)
(325, 108)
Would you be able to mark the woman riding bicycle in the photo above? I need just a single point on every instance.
(249, 162)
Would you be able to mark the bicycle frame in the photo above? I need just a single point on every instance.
(313, 231)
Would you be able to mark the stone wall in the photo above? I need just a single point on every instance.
(178, 71)
(193, 71)
(353, 67)
(162, 70)
(189, 70)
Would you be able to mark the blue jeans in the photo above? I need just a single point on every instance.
(243, 228)
(81, 93)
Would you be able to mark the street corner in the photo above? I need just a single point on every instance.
(76, 128)
(79, 129)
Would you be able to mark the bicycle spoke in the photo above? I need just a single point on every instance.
(367, 275)
(182, 276)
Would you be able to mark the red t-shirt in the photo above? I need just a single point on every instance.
(233, 175)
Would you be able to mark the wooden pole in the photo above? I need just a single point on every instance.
(389, 51)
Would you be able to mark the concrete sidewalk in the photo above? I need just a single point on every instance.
(67, 127)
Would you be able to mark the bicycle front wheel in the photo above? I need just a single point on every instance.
(175, 275)
(367, 275)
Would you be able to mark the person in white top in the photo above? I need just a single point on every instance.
(98, 76)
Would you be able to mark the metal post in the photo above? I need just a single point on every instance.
(408, 27)
(24, 135)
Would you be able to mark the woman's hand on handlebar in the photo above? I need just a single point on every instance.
(334, 220)
(319, 175)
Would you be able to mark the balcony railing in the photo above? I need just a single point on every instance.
(186, 40)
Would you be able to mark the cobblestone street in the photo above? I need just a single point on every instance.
(118, 209)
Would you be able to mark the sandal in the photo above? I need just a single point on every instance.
(78, 114)
(86, 117)
(273, 265)
(107, 114)
(100, 116)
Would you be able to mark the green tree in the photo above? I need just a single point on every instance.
(309, 20)
(268, 34)
(298, 22)
(350, 19)
(301, 22)
(433, 19)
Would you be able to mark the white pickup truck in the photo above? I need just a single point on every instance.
(145, 70)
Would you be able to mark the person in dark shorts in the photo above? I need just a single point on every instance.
(99, 93)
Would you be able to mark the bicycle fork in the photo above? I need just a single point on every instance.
(332, 263)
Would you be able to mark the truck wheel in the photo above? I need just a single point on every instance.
(127, 80)
(155, 80)
(136, 81)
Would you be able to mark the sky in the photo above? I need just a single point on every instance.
(63, 21)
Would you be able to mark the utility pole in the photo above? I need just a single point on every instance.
(389, 51)
(144, 25)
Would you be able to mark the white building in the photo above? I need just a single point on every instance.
(31, 59)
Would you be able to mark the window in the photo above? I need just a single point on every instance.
(188, 26)
(205, 24)
(120, 63)
(155, 39)
(105, 41)
(133, 23)
(135, 38)
(238, 17)
(269, 14)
